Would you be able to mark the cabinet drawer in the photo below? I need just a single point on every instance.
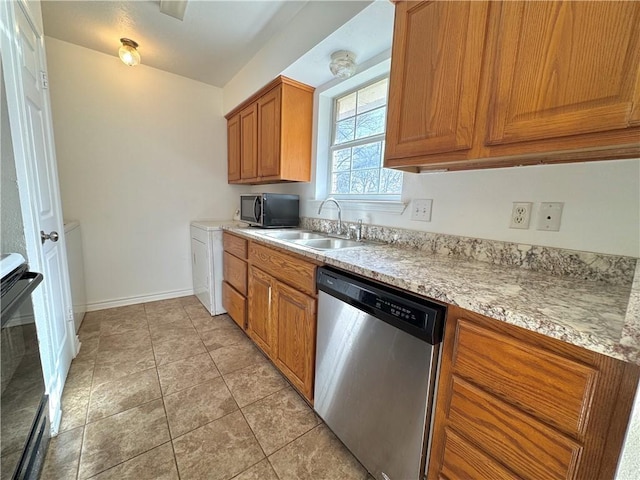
(235, 245)
(235, 272)
(289, 269)
(235, 304)
(562, 402)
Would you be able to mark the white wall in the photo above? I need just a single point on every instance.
(314, 22)
(141, 153)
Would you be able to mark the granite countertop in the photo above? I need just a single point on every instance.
(595, 315)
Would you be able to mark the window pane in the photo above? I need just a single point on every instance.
(365, 181)
(390, 181)
(373, 96)
(345, 130)
(341, 160)
(367, 156)
(370, 123)
(346, 106)
(340, 182)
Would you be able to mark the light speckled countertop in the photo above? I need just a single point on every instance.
(595, 315)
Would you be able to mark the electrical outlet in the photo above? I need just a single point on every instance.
(421, 210)
(549, 216)
(520, 215)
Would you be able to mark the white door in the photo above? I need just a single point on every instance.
(24, 71)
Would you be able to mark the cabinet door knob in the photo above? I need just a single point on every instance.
(53, 236)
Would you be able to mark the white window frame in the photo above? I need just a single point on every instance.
(354, 143)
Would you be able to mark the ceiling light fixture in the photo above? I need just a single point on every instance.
(343, 63)
(128, 52)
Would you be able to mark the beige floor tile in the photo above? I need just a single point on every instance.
(197, 311)
(235, 357)
(88, 348)
(195, 406)
(190, 300)
(80, 373)
(123, 324)
(177, 349)
(223, 337)
(155, 307)
(168, 316)
(254, 382)
(138, 339)
(75, 402)
(279, 419)
(61, 462)
(260, 471)
(186, 373)
(218, 450)
(90, 327)
(206, 323)
(120, 363)
(122, 394)
(8, 463)
(156, 464)
(170, 332)
(317, 455)
(118, 438)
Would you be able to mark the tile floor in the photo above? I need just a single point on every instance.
(165, 391)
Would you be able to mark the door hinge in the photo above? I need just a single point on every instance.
(44, 80)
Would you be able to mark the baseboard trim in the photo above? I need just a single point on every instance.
(123, 302)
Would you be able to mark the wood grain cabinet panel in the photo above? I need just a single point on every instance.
(435, 76)
(233, 148)
(261, 325)
(234, 245)
(275, 134)
(495, 84)
(235, 272)
(513, 403)
(546, 385)
(249, 143)
(291, 269)
(235, 304)
(296, 337)
(563, 69)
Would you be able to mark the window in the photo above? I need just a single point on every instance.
(357, 146)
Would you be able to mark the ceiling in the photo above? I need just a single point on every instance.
(216, 38)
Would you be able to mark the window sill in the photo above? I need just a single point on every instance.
(378, 206)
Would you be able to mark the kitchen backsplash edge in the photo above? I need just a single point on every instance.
(611, 269)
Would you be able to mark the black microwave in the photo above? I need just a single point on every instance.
(270, 210)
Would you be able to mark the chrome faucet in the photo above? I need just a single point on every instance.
(331, 199)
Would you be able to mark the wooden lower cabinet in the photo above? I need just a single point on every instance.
(261, 325)
(234, 286)
(282, 313)
(296, 337)
(516, 404)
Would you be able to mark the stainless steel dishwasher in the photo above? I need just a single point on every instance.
(376, 359)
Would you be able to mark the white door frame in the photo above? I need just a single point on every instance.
(55, 365)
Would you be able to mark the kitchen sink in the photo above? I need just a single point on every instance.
(328, 243)
(294, 235)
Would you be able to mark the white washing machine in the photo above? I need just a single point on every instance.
(73, 236)
(206, 263)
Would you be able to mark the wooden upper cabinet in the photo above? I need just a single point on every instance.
(562, 69)
(249, 142)
(435, 77)
(269, 133)
(495, 84)
(275, 134)
(233, 148)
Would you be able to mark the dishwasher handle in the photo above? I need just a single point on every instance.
(417, 316)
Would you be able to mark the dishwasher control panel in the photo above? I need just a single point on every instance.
(418, 316)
